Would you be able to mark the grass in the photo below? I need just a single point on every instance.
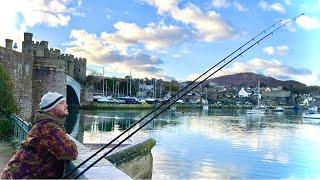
(6, 151)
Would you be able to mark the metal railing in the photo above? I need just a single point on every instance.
(20, 128)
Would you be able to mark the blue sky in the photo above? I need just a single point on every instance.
(172, 39)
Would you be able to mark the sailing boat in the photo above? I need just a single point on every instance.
(311, 113)
(257, 109)
(205, 104)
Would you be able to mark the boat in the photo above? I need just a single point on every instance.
(311, 116)
(205, 106)
(258, 109)
(205, 103)
(313, 109)
(105, 99)
(278, 109)
(312, 113)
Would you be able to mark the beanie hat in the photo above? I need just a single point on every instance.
(50, 100)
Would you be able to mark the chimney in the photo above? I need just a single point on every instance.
(9, 43)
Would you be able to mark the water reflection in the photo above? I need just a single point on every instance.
(217, 143)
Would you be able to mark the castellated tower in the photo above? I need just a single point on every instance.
(38, 70)
(69, 64)
(36, 49)
(80, 69)
(27, 44)
(74, 67)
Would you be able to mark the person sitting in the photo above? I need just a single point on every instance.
(47, 149)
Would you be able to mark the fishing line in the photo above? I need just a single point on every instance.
(174, 100)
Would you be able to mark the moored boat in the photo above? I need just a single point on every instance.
(278, 109)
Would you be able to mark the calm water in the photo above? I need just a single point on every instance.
(215, 143)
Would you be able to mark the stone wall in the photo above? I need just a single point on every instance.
(80, 66)
(48, 75)
(86, 95)
(19, 66)
(38, 70)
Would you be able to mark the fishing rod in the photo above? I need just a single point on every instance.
(264, 31)
(175, 95)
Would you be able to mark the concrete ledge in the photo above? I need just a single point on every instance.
(102, 170)
(128, 153)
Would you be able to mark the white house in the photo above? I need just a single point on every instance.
(243, 93)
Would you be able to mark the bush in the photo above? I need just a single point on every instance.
(5, 129)
(7, 103)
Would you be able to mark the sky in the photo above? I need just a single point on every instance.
(173, 39)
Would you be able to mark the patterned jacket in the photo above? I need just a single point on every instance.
(44, 153)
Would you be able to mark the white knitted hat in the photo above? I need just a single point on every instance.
(50, 100)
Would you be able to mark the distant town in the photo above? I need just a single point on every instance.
(224, 90)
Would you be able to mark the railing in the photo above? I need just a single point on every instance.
(20, 128)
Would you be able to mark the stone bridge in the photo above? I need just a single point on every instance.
(73, 91)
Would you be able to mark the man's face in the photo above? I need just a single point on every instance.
(61, 110)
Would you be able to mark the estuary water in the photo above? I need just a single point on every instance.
(212, 144)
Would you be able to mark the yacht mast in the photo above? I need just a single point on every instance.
(259, 95)
(103, 81)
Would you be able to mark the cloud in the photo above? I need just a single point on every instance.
(271, 7)
(99, 52)
(308, 23)
(220, 3)
(272, 68)
(239, 6)
(205, 26)
(209, 26)
(163, 6)
(194, 76)
(290, 26)
(108, 13)
(288, 2)
(281, 50)
(153, 36)
(17, 16)
(269, 50)
(226, 4)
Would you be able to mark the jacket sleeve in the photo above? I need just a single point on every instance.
(60, 145)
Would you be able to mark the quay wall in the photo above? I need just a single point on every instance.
(151, 106)
(20, 68)
(135, 160)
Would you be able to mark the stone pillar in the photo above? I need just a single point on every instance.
(9, 43)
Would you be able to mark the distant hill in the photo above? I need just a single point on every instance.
(252, 79)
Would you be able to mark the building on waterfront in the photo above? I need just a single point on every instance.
(277, 97)
(243, 93)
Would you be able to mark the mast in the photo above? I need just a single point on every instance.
(113, 92)
(103, 81)
(130, 83)
(259, 96)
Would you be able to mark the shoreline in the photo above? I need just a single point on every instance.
(152, 106)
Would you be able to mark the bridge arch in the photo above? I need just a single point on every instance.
(73, 91)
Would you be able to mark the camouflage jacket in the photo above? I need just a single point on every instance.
(44, 153)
